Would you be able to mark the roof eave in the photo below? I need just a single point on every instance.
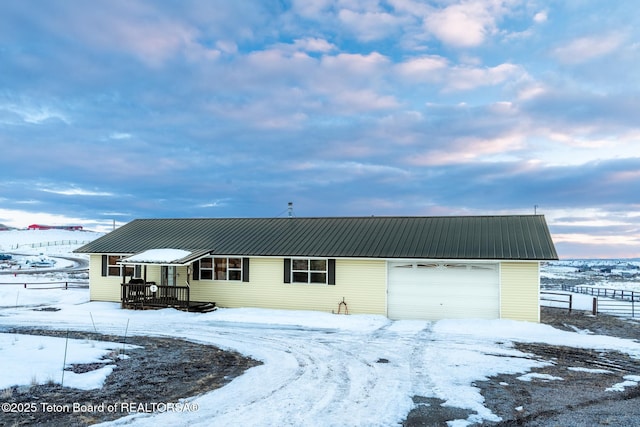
(180, 262)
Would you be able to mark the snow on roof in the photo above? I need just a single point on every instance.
(158, 256)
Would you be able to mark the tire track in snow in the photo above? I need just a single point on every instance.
(420, 378)
(306, 395)
(310, 376)
(296, 384)
(334, 380)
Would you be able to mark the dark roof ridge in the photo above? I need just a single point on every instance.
(340, 217)
(518, 237)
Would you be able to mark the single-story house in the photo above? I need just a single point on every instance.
(401, 267)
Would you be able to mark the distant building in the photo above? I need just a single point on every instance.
(54, 227)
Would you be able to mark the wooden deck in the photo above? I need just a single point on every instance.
(143, 296)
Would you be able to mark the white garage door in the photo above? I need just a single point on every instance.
(435, 291)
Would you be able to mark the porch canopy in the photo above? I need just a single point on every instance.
(165, 257)
(139, 293)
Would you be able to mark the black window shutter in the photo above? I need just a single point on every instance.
(196, 270)
(287, 270)
(245, 269)
(105, 265)
(331, 273)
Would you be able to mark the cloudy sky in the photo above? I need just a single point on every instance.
(114, 110)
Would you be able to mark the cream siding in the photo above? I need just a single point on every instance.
(154, 274)
(520, 291)
(102, 288)
(361, 283)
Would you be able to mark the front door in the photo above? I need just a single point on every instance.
(168, 275)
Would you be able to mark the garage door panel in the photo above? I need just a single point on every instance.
(439, 291)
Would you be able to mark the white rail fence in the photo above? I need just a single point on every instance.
(48, 244)
(618, 302)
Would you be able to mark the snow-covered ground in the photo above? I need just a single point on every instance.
(38, 250)
(36, 356)
(319, 369)
(51, 242)
(622, 274)
(603, 280)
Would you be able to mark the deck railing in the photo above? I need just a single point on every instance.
(150, 295)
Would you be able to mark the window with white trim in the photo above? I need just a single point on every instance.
(309, 270)
(206, 269)
(221, 269)
(114, 268)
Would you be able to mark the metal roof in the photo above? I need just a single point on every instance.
(512, 237)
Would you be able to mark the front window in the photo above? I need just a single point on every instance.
(115, 269)
(309, 270)
(221, 269)
(206, 269)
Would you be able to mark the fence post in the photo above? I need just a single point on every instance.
(595, 306)
(570, 302)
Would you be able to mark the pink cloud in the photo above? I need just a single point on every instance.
(356, 64)
(467, 78)
(584, 49)
(364, 100)
(469, 149)
(424, 68)
(133, 28)
(465, 24)
(370, 25)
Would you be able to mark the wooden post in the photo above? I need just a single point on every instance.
(595, 306)
(570, 302)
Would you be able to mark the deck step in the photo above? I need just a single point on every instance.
(194, 307)
(204, 308)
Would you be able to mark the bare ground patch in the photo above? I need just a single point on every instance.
(164, 370)
(579, 398)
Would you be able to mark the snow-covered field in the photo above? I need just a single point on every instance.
(604, 280)
(38, 251)
(36, 355)
(319, 369)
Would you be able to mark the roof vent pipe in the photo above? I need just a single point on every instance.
(290, 209)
